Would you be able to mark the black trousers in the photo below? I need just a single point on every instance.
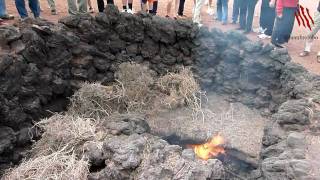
(235, 10)
(246, 13)
(101, 4)
(181, 7)
(267, 17)
(283, 26)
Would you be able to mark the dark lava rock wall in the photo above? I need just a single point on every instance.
(41, 65)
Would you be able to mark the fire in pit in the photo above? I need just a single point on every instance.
(210, 149)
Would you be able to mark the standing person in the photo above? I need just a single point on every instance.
(3, 12)
(52, 6)
(311, 35)
(175, 4)
(284, 22)
(247, 8)
(235, 11)
(267, 17)
(222, 11)
(126, 8)
(33, 5)
(91, 10)
(101, 4)
(74, 10)
(155, 7)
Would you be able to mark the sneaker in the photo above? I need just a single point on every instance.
(210, 11)
(200, 25)
(124, 10)
(91, 10)
(264, 36)
(131, 11)
(7, 17)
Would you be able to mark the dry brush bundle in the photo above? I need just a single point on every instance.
(94, 100)
(181, 89)
(60, 165)
(137, 80)
(64, 131)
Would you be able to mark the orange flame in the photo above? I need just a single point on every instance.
(209, 149)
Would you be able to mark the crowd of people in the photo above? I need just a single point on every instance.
(276, 21)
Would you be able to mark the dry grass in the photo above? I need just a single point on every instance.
(181, 89)
(60, 165)
(94, 100)
(66, 131)
(137, 80)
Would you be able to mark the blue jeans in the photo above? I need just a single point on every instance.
(222, 10)
(3, 10)
(235, 11)
(33, 4)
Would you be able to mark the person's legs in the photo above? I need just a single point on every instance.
(224, 11)
(289, 18)
(243, 13)
(35, 8)
(100, 5)
(83, 6)
(250, 13)
(176, 7)
(155, 7)
(219, 10)
(72, 7)
(264, 13)
(21, 7)
(197, 11)
(110, 2)
(130, 4)
(181, 7)
(269, 21)
(311, 35)
(3, 10)
(52, 5)
(235, 11)
(124, 5)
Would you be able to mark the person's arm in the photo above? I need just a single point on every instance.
(279, 8)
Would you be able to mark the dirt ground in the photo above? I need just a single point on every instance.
(294, 46)
(241, 127)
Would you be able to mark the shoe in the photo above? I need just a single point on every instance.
(200, 25)
(124, 10)
(233, 22)
(304, 54)
(264, 36)
(318, 57)
(258, 30)
(224, 23)
(7, 17)
(130, 11)
(91, 10)
(210, 11)
(54, 12)
(277, 45)
(240, 28)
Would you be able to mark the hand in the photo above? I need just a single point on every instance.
(280, 16)
(272, 4)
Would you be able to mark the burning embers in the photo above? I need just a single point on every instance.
(210, 149)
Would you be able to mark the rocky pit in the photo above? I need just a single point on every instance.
(264, 105)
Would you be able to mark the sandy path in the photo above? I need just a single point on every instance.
(294, 47)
